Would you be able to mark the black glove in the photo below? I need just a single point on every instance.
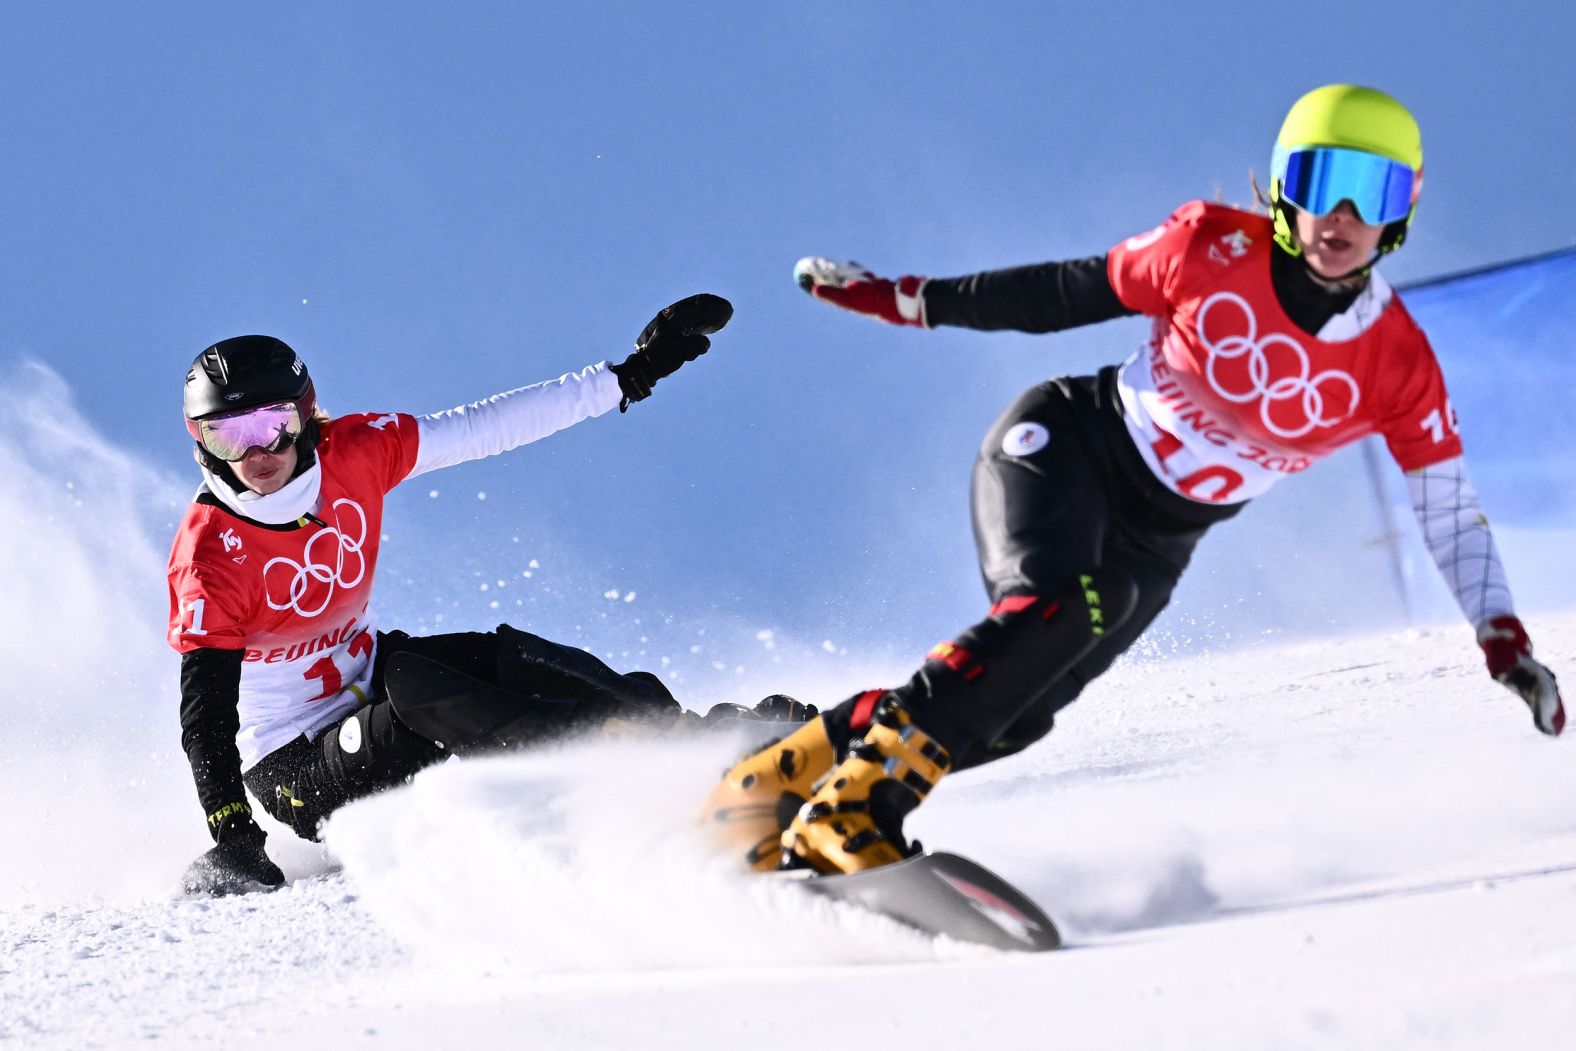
(676, 335)
(237, 864)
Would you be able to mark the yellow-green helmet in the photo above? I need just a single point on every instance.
(1345, 142)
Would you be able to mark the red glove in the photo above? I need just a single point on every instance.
(852, 287)
(1509, 654)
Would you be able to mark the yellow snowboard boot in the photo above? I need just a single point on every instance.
(855, 820)
(748, 811)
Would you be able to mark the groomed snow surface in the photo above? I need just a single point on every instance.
(1343, 844)
(1346, 844)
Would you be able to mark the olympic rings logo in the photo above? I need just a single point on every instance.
(333, 569)
(1275, 371)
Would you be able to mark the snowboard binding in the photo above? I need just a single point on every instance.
(855, 820)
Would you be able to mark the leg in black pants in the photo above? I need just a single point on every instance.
(371, 749)
(1043, 520)
(1063, 532)
(1080, 548)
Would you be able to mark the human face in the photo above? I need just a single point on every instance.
(1337, 244)
(264, 472)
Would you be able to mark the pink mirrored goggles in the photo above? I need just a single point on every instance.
(272, 428)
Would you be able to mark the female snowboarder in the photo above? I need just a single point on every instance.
(270, 583)
(1275, 343)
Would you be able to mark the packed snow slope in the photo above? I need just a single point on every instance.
(1345, 843)
(1352, 843)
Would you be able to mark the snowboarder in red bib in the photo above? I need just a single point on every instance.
(270, 586)
(1275, 343)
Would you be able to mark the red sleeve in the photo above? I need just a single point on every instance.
(383, 444)
(1420, 426)
(1144, 269)
(207, 609)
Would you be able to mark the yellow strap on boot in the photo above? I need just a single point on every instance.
(835, 831)
(745, 813)
(910, 754)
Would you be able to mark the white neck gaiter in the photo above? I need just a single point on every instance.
(296, 498)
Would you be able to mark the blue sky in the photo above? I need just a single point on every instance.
(434, 202)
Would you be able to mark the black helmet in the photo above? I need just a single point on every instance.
(245, 371)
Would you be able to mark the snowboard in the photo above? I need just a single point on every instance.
(943, 894)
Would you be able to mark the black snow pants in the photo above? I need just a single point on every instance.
(370, 749)
(1080, 547)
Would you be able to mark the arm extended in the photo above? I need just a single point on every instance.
(679, 333)
(1043, 297)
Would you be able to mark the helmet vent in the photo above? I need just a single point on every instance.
(216, 366)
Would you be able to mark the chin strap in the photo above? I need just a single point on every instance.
(1285, 236)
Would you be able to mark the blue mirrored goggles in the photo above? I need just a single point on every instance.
(1318, 178)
